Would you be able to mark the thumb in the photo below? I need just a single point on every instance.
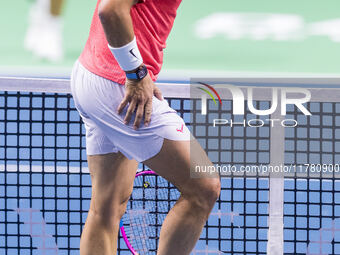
(158, 93)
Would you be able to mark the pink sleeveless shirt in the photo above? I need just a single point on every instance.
(152, 23)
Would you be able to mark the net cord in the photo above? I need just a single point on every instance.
(178, 90)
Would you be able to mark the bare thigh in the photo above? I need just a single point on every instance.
(112, 182)
(175, 161)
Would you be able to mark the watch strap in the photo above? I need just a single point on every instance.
(132, 76)
(138, 74)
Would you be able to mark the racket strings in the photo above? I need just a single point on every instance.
(150, 202)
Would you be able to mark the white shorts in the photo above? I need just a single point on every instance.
(97, 100)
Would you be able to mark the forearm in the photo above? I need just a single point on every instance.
(139, 88)
(116, 20)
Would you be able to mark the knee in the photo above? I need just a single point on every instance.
(205, 196)
(210, 192)
(109, 211)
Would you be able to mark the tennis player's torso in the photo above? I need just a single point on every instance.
(152, 22)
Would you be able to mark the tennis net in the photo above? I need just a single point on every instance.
(45, 185)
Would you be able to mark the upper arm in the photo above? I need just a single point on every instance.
(115, 17)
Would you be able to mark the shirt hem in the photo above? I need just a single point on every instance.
(120, 81)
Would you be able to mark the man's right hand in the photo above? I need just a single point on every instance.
(138, 97)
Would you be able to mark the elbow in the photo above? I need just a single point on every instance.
(106, 10)
(111, 9)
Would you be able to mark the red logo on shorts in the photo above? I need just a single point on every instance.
(180, 130)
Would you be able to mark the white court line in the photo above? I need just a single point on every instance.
(41, 169)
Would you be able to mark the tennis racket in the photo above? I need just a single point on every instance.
(151, 199)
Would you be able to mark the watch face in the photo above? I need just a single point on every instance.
(142, 72)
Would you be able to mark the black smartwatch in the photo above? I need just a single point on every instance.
(139, 74)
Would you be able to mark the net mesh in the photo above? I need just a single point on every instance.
(312, 205)
(45, 186)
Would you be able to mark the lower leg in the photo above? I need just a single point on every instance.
(182, 228)
(98, 237)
